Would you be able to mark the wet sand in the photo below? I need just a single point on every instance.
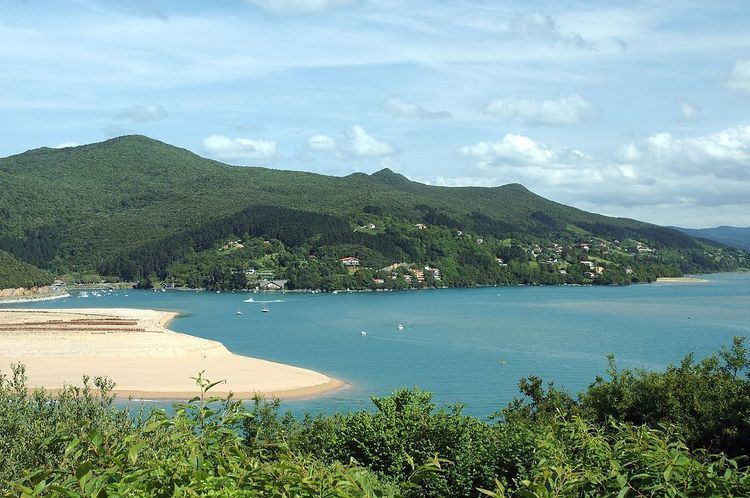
(143, 357)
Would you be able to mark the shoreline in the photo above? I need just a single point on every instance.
(681, 280)
(146, 360)
(24, 300)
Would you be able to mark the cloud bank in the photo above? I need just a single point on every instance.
(569, 110)
(234, 149)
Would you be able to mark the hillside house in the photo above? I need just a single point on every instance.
(235, 244)
(435, 272)
(350, 261)
(420, 226)
(272, 285)
(418, 274)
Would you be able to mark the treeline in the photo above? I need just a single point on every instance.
(15, 273)
(38, 246)
(313, 242)
(682, 432)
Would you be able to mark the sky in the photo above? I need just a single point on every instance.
(634, 109)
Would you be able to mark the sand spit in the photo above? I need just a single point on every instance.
(680, 280)
(144, 358)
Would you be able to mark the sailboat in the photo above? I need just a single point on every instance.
(265, 308)
(238, 310)
(400, 327)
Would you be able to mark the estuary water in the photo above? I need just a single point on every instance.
(467, 346)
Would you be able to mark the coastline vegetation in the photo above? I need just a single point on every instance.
(137, 209)
(681, 432)
(15, 273)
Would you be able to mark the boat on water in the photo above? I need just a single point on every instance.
(265, 308)
(400, 327)
(238, 310)
(363, 333)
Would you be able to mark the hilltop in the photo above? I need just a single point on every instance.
(133, 206)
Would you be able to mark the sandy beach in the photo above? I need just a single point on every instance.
(143, 357)
(680, 280)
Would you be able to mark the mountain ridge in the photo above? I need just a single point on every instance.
(95, 206)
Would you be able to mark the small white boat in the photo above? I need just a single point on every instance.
(363, 333)
(238, 310)
(265, 309)
(400, 327)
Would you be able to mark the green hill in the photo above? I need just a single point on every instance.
(133, 206)
(14, 273)
(731, 236)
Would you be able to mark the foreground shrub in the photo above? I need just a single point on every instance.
(575, 458)
(709, 401)
(197, 451)
(406, 431)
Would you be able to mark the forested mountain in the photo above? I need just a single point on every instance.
(133, 207)
(14, 273)
(731, 236)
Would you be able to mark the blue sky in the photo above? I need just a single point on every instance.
(638, 109)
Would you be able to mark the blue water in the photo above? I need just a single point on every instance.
(468, 346)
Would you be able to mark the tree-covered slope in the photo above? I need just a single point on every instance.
(14, 273)
(731, 236)
(133, 203)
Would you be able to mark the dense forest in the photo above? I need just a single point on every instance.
(15, 273)
(683, 432)
(141, 210)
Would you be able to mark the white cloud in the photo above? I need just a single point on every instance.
(512, 149)
(725, 154)
(322, 143)
(357, 142)
(568, 110)
(669, 173)
(689, 111)
(143, 113)
(300, 6)
(401, 109)
(65, 145)
(543, 27)
(739, 79)
(363, 144)
(227, 148)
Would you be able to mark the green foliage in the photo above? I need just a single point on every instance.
(133, 207)
(405, 432)
(78, 444)
(14, 273)
(572, 457)
(197, 451)
(709, 400)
